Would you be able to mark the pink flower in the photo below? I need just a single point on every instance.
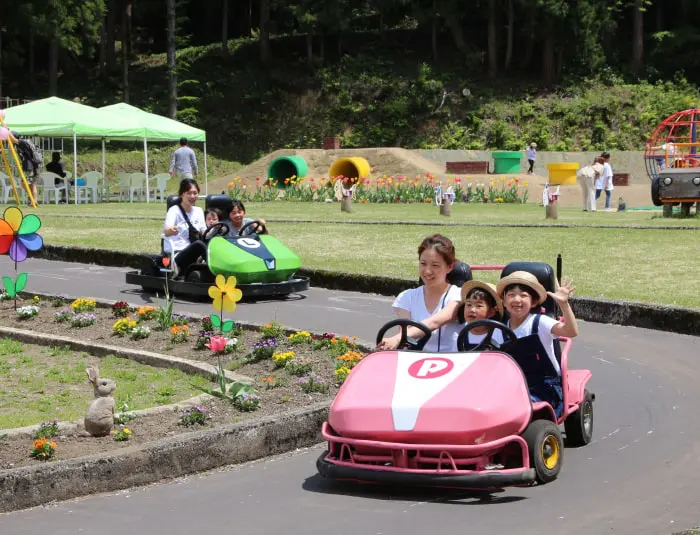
(217, 344)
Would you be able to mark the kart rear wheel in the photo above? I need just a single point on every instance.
(546, 449)
(579, 425)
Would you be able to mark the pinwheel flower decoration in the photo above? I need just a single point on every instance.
(225, 295)
(18, 234)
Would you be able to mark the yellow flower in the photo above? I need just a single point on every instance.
(225, 294)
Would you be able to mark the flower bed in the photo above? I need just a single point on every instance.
(385, 189)
(288, 371)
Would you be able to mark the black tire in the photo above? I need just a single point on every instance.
(194, 276)
(655, 186)
(546, 449)
(579, 425)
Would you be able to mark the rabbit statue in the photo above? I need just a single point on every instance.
(99, 418)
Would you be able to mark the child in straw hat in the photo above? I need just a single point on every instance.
(522, 294)
(479, 301)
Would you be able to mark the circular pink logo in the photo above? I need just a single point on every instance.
(430, 368)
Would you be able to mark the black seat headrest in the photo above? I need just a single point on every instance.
(172, 200)
(222, 202)
(545, 275)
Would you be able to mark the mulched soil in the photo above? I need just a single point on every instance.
(280, 390)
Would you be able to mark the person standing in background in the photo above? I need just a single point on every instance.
(605, 182)
(184, 162)
(531, 156)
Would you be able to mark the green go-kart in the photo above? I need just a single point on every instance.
(263, 266)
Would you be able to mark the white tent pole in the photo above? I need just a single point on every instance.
(104, 176)
(145, 156)
(75, 168)
(206, 185)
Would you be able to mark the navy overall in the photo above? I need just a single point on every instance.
(542, 378)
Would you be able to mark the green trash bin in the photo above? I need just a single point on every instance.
(507, 162)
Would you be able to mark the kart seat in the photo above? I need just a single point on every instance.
(222, 202)
(170, 201)
(545, 276)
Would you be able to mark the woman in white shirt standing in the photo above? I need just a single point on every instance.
(605, 182)
(184, 226)
(436, 258)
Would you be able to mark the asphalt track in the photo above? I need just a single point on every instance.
(639, 475)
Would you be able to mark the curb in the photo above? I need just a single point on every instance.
(629, 313)
(102, 350)
(161, 460)
(426, 223)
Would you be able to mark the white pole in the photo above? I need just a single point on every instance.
(75, 168)
(206, 185)
(145, 156)
(104, 175)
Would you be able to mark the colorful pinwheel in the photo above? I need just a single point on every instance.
(18, 234)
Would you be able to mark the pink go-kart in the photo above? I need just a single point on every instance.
(462, 419)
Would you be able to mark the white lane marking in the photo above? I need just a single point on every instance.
(49, 276)
(602, 360)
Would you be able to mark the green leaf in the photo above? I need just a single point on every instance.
(9, 286)
(215, 320)
(227, 326)
(21, 282)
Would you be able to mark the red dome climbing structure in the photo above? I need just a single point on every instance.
(674, 143)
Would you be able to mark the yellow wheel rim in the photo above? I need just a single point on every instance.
(550, 452)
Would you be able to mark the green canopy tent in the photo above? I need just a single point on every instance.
(57, 117)
(159, 128)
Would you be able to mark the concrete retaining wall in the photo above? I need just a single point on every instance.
(165, 459)
(631, 162)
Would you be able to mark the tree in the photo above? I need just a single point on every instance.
(638, 35)
(224, 26)
(126, 49)
(172, 63)
(493, 38)
(265, 30)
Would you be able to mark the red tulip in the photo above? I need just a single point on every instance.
(217, 344)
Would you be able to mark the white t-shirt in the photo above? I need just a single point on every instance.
(605, 180)
(544, 332)
(478, 338)
(413, 300)
(174, 217)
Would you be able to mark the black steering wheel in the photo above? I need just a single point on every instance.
(487, 343)
(250, 224)
(221, 229)
(406, 341)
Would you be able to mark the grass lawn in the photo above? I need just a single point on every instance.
(461, 213)
(38, 383)
(643, 265)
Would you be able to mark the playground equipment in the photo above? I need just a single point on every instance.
(672, 161)
(354, 167)
(286, 167)
(6, 136)
(506, 162)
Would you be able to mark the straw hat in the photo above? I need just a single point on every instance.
(526, 279)
(487, 287)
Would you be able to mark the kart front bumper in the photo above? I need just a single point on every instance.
(431, 465)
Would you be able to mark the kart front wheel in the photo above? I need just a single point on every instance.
(546, 449)
(579, 425)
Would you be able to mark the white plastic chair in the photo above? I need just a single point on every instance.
(137, 184)
(92, 179)
(6, 188)
(47, 183)
(159, 184)
(124, 182)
